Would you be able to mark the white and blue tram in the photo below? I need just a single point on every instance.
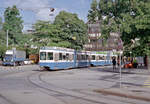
(54, 58)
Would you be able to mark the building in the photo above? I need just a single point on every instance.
(95, 43)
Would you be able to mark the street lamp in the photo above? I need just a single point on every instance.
(120, 54)
(7, 38)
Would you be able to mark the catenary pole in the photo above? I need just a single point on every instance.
(7, 39)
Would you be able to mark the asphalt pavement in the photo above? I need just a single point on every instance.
(135, 87)
(92, 85)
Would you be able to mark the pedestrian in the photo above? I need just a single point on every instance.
(114, 63)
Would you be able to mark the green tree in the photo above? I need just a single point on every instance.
(130, 18)
(136, 26)
(2, 40)
(66, 31)
(73, 30)
(2, 51)
(46, 34)
(93, 12)
(13, 23)
(1, 23)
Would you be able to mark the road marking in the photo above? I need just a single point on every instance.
(147, 83)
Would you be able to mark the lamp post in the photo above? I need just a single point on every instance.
(7, 38)
(120, 54)
(120, 46)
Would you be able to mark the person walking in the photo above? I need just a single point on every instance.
(114, 63)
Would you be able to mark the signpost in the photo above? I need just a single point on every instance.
(120, 46)
(120, 53)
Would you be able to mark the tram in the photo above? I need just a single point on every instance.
(56, 58)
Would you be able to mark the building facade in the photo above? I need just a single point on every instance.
(96, 43)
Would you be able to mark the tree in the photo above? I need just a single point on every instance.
(2, 40)
(93, 12)
(2, 51)
(130, 18)
(1, 32)
(73, 30)
(66, 31)
(13, 23)
(1, 23)
(46, 33)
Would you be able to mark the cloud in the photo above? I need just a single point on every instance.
(45, 14)
(41, 8)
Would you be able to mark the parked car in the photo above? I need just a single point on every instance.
(27, 62)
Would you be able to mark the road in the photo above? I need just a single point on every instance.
(30, 85)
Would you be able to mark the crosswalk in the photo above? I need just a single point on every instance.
(147, 83)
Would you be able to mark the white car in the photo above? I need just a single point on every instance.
(27, 61)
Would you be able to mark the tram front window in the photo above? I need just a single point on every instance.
(42, 55)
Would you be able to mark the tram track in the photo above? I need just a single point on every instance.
(4, 99)
(81, 92)
(35, 78)
(27, 73)
(42, 89)
(71, 93)
(43, 85)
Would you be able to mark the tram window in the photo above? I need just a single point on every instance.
(101, 58)
(71, 57)
(87, 57)
(82, 57)
(104, 57)
(97, 58)
(78, 57)
(60, 56)
(67, 56)
(93, 57)
(64, 57)
(90, 57)
(42, 55)
(49, 56)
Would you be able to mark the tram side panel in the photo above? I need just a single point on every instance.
(63, 59)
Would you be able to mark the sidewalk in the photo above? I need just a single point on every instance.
(133, 93)
(139, 70)
(141, 92)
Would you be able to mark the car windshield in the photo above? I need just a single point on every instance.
(8, 56)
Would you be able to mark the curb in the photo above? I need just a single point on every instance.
(110, 92)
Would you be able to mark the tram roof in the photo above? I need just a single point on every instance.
(56, 48)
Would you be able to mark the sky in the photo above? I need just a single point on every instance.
(33, 10)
